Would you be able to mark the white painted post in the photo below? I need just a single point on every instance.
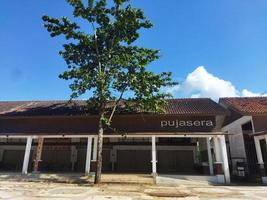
(27, 155)
(154, 156)
(73, 157)
(225, 159)
(258, 150)
(197, 152)
(95, 149)
(218, 159)
(210, 156)
(218, 154)
(88, 156)
(74, 153)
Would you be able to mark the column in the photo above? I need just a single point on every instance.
(38, 155)
(197, 152)
(88, 155)
(95, 149)
(218, 168)
(209, 156)
(73, 157)
(154, 156)
(94, 156)
(74, 153)
(225, 159)
(259, 156)
(258, 150)
(218, 155)
(27, 155)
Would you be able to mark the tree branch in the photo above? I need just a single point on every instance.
(100, 78)
(116, 105)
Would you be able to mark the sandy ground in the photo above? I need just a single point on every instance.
(12, 190)
(21, 189)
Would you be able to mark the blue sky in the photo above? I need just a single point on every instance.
(228, 38)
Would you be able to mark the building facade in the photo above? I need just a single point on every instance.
(246, 127)
(54, 136)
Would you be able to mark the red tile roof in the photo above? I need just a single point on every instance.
(41, 108)
(194, 106)
(246, 105)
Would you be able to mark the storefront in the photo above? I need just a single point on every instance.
(247, 137)
(186, 140)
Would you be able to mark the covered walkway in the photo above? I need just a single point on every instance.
(187, 139)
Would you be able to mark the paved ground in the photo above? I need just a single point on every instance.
(15, 188)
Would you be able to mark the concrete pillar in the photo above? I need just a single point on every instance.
(95, 149)
(154, 155)
(197, 152)
(218, 154)
(259, 156)
(210, 156)
(258, 150)
(73, 157)
(225, 159)
(88, 155)
(74, 152)
(218, 168)
(38, 154)
(27, 155)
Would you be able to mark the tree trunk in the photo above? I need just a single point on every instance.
(99, 150)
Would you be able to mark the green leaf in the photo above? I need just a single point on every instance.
(90, 4)
(109, 65)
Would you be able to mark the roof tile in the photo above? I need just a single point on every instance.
(190, 106)
(246, 105)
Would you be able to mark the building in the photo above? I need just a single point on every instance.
(246, 127)
(53, 136)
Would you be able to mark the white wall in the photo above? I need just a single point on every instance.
(236, 142)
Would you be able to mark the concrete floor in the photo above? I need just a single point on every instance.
(117, 187)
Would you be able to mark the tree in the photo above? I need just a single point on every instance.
(106, 61)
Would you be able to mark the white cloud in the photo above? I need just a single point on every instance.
(247, 93)
(172, 89)
(201, 83)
